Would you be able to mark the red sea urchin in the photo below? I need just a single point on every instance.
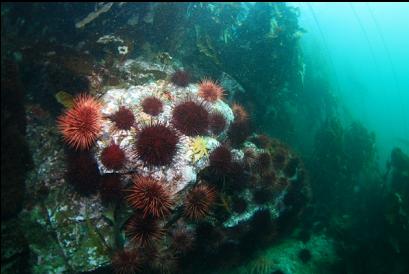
(240, 129)
(268, 179)
(191, 118)
(217, 123)
(143, 230)
(210, 91)
(262, 141)
(156, 144)
(127, 261)
(238, 132)
(221, 158)
(263, 162)
(123, 118)
(181, 78)
(182, 238)
(81, 124)
(150, 196)
(249, 157)
(113, 157)
(152, 105)
(164, 261)
(199, 201)
(240, 114)
(280, 158)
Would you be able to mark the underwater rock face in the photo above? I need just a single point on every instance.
(184, 197)
(184, 165)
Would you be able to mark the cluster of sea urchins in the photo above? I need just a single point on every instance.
(155, 145)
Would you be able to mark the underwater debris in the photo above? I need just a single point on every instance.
(94, 15)
(65, 99)
(109, 39)
(232, 86)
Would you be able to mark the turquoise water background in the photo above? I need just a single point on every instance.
(365, 48)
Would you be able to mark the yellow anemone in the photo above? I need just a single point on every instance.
(199, 149)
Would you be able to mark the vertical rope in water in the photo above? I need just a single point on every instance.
(395, 78)
(366, 38)
(325, 45)
(378, 72)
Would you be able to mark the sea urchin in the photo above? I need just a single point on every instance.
(113, 157)
(127, 261)
(143, 230)
(81, 124)
(221, 158)
(152, 105)
(217, 123)
(182, 239)
(181, 78)
(199, 201)
(156, 144)
(210, 91)
(150, 196)
(123, 118)
(191, 118)
(240, 114)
